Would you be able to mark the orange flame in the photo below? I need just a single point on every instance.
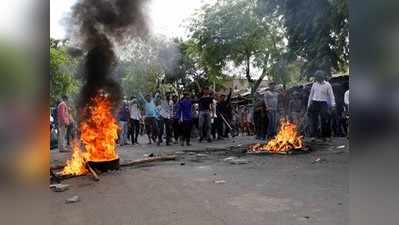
(286, 139)
(98, 133)
(76, 165)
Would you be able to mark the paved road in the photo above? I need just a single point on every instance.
(275, 190)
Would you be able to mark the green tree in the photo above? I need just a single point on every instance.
(317, 31)
(62, 70)
(232, 31)
(148, 65)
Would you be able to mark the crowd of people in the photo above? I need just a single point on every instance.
(209, 116)
(166, 118)
(319, 111)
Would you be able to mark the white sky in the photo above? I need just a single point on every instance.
(167, 16)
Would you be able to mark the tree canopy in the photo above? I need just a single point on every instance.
(232, 31)
(280, 40)
(317, 31)
(63, 69)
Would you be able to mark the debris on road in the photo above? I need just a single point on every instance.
(319, 160)
(73, 199)
(182, 163)
(341, 146)
(149, 155)
(59, 187)
(235, 161)
(228, 159)
(199, 157)
(219, 181)
(239, 161)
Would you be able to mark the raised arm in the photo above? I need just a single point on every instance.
(156, 97)
(140, 98)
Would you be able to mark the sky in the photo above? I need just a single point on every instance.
(167, 16)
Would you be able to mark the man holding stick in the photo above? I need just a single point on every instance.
(223, 115)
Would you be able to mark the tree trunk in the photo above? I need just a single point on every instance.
(255, 85)
(248, 76)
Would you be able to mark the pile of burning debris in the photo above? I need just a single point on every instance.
(98, 134)
(287, 141)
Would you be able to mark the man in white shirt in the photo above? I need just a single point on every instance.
(165, 120)
(321, 99)
(135, 117)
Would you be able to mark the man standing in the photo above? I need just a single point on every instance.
(165, 118)
(185, 118)
(205, 108)
(150, 113)
(321, 97)
(63, 122)
(135, 117)
(260, 119)
(346, 101)
(123, 118)
(195, 118)
(175, 122)
(223, 114)
(295, 108)
(271, 102)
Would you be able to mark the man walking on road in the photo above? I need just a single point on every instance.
(63, 119)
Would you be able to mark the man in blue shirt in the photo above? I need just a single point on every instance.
(184, 115)
(150, 114)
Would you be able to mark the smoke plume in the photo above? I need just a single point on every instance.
(96, 26)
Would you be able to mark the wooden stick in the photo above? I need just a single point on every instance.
(131, 163)
(95, 176)
(152, 159)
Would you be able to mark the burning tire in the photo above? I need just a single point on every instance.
(104, 166)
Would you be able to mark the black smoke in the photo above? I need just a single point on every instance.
(96, 26)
